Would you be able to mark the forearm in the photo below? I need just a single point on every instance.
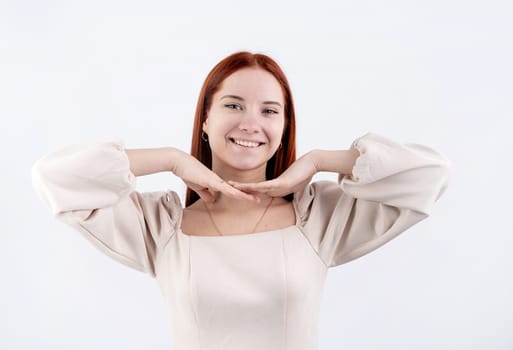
(341, 161)
(152, 160)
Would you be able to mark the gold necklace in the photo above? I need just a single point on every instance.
(254, 228)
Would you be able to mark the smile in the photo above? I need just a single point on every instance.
(246, 143)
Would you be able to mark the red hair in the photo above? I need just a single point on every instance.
(200, 149)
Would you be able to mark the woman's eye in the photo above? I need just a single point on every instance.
(233, 106)
(270, 111)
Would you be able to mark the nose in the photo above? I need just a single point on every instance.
(249, 122)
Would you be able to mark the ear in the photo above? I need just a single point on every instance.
(205, 126)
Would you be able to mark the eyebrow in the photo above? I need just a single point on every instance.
(241, 99)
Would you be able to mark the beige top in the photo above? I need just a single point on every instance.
(248, 291)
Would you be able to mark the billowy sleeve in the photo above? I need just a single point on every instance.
(91, 188)
(392, 187)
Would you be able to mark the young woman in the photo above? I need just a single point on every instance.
(242, 266)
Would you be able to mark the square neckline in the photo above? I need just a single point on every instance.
(245, 234)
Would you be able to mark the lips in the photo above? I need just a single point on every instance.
(246, 143)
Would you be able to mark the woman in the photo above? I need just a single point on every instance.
(242, 266)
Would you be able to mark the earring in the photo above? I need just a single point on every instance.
(281, 145)
(204, 136)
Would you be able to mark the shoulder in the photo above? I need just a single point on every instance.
(159, 206)
(318, 198)
(319, 190)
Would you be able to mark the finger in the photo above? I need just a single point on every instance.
(262, 187)
(207, 191)
(273, 188)
(231, 191)
(278, 193)
(236, 193)
(243, 186)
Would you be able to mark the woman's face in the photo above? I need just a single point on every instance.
(246, 120)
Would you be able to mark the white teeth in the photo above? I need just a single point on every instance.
(246, 143)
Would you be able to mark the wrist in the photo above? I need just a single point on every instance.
(315, 157)
(174, 156)
(339, 161)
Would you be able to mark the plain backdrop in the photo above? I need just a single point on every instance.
(432, 72)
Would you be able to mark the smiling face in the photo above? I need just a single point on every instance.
(245, 122)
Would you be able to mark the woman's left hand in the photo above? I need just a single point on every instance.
(292, 180)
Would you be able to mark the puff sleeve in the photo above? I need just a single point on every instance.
(91, 188)
(392, 187)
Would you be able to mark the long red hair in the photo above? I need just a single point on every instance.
(200, 149)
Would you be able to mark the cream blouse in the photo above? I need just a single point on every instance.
(248, 291)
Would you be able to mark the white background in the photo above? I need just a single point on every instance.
(432, 72)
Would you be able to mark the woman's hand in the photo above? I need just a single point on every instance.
(292, 180)
(204, 181)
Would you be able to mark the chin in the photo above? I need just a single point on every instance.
(247, 166)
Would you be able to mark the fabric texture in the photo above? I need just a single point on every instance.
(249, 291)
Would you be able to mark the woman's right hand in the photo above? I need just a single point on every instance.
(204, 181)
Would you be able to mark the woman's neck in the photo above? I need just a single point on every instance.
(225, 203)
